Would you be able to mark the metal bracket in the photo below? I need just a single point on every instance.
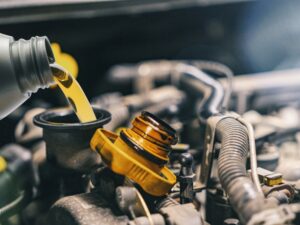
(209, 144)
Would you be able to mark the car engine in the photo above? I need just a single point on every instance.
(191, 126)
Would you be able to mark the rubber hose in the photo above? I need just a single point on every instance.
(243, 196)
(221, 69)
(209, 90)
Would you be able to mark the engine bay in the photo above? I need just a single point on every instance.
(183, 122)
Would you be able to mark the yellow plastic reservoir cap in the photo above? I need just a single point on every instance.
(121, 162)
(65, 60)
(140, 152)
(3, 164)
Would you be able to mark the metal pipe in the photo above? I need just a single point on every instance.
(252, 151)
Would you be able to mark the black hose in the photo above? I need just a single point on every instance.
(220, 69)
(209, 90)
(243, 195)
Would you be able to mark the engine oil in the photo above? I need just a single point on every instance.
(73, 93)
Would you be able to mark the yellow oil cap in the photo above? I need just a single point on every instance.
(140, 152)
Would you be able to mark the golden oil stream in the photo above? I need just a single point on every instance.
(74, 93)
